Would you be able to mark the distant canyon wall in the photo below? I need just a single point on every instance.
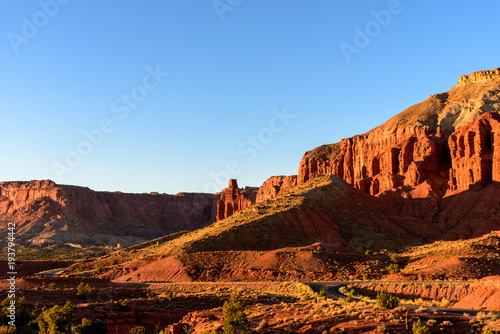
(81, 216)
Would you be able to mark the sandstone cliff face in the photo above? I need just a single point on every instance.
(413, 148)
(47, 213)
(233, 200)
(479, 76)
(475, 153)
(275, 186)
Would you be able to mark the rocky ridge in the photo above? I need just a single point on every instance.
(46, 213)
(420, 144)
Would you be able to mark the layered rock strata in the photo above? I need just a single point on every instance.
(232, 199)
(47, 213)
(444, 141)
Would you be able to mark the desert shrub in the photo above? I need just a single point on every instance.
(113, 261)
(395, 258)
(98, 269)
(57, 319)
(25, 313)
(152, 296)
(386, 301)
(83, 290)
(382, 329)
(170, 295)
(124, 305)
(444, 302)
(7, 330)
(366, 276)
(263, 324)
(350, 296)
(89, 327)
(235, 318)
(149, 329)
(420, 328)
(393, 268)
(322, 293)
(368, 252)
(53, 286)
(489, 331)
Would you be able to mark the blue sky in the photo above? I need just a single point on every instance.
(178, 95)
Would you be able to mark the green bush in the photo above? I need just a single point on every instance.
(89, 327)
(56, 319)
(235, 318)
(98, 269)
(149, 329)
(25, 313)
(420, 328)
(489, 331)
(393, 268)
(395, 258)
(83, 290)
(7, 330)
(350, 296)
(386, 301)
(170, 295)
(124, 305)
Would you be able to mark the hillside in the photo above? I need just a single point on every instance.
(318, 230)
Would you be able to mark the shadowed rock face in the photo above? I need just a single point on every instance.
(447, 141)
(47, 213)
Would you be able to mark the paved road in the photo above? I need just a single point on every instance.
(50, 273)
(332, 290)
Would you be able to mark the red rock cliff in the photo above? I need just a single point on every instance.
(413, 148)
(47, 213)
(275, 186)
(475, 153)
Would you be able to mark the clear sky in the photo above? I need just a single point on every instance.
(172, 96)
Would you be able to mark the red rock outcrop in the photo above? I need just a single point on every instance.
(46, 213)
(475, 153)
(233, 200)
(413, 148)
(479, 76)
(275, 186)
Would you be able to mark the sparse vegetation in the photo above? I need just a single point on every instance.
(150, 329)
(83, 290)
(57, 319)
(98, 269)
(393, 268)
(124, 305)
(263, 324)
(386, 301)
(25, 314)
(89, 327)
(235, 318)
(350, 296)
(170, 295)
(420, 328)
